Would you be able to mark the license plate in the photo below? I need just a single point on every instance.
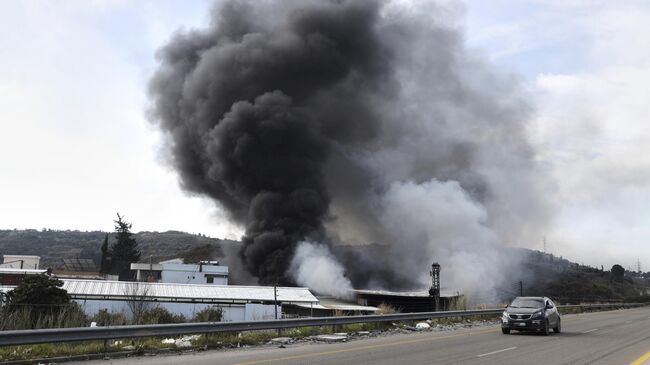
(521, 324)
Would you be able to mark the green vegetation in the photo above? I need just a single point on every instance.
(105, 318)
(202, 252)
(618, 273)
(41, 292)
(104, 264)
(39, 302)
(210, 314)
(210, 341)
(25, 317)
(160, 315)
(123, 252)
(55, 245)
(19, 317)
(566, 282)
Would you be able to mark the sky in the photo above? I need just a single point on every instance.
(76, 146)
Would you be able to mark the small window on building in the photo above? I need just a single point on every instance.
(209, 280)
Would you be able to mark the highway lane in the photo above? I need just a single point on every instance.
(615, 337)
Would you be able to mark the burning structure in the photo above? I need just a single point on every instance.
(413, 301)
(320, 123)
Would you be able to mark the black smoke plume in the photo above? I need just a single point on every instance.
(349, 122)
(253, 110)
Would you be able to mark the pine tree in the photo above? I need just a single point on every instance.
(105, 263)
(124, 251)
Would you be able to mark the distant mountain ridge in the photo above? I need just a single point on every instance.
(55, 245)
(540, 273)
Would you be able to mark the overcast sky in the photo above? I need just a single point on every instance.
(76, 147)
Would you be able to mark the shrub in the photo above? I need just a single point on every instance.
(210, 314)
(106, 318)
(40, 302)
(28, 317)
(384, 308)
(160, 315)
(41, 293)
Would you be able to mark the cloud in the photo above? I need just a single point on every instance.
(75, 144)
(591, 129)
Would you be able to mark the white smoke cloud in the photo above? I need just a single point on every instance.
(314, 266)
(454, 178)
(438, 221)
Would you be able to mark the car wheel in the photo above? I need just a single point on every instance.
(506, 331)
(558, 328)
(545, 329)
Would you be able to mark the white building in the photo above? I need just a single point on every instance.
(175, 271)
(21, 262)
(239, 303)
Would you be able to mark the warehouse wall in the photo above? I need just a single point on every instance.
(231, 312)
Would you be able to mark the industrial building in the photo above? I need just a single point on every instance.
(239, 303)
(327, 307)
(189, 288)
(175, 271)
(12, 276)
(414, 301)
(409, 302)
(20, 262)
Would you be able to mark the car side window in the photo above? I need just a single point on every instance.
(549, 302)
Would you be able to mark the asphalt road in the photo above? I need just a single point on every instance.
(613, 338)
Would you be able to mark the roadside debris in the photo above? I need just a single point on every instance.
(331, 338)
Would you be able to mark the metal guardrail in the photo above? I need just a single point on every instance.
(26, 337)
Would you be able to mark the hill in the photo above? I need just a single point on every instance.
(537, 274)
(544, 274)
(54, 245)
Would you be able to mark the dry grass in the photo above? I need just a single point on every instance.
(27, 317)
(384, 308)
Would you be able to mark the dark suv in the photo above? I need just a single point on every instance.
(531, 314)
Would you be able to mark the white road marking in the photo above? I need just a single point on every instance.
(593, 330)
(496, 352)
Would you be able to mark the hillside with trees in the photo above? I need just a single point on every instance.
(55, 245)
(543, 274)
(539, 274)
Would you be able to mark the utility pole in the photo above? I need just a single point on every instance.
(150, 269)
(544, 244)
(275, 299)
(638, 265)
(275, 304)
(521, 288)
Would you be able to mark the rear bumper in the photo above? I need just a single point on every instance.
(523, 325)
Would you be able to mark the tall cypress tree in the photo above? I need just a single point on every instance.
(105, 263)
(124, 251)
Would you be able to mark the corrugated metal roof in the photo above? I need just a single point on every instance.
(183, 292)
(6, 288)
(421, 293)
(337, 304)
(333, 307)
(10, 270)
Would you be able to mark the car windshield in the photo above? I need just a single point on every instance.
(527, 303)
